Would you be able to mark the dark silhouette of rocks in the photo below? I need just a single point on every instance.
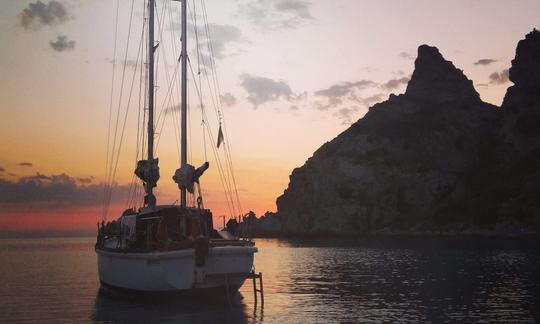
(436, 80)
(434, 160)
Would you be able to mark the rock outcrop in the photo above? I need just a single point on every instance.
(435, 159)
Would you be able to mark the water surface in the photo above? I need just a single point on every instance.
(307, 281)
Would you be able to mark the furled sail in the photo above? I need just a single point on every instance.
(148, 172)
(187, 176)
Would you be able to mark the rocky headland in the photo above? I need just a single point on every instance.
(435, 160)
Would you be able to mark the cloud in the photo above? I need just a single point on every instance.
(346, 114)
(406, 56)
(261, 90)
(26, 164)
(280, 14)
(222, 37)
(344, 88)
(40, 14)
(499, 77)
(339, 92)
(129, 62)
(368, 101)
(54, 190)
(227, 99)
(11, 174)
(485, 62)
(85, 180)
(296, 7)
(395, 83)
(2, 169)
(62, 43)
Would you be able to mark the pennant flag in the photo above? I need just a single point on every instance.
(219, 137)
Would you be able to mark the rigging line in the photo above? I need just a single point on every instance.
(218, 161)
(144, 135)
(204, 137)
(188, 111)
(110, 180)
(128, 105)
(171, 86)
(226, 145)
(218, 96)
(176, 113)
(167, 100)
(139, 64)
(212, 55)
(208, 128)
(160, 33)
(196, 28)
(176, 137)
(158, 56)
(140, 106)
(103, 215)
(225, 184)
(190, 147)
(140, 101)
(133, 183)
(142, 85)
(227, 152)
(160, 24)
(225, 174)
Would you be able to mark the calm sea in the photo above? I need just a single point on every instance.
(420, 280)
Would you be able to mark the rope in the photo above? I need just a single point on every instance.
(223, 179)
(110, 178)
(128, 105)
(133, 186)
(218, 99)
(104, 208)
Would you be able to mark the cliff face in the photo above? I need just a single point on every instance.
(428, 161)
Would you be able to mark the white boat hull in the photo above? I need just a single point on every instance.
(175, 270)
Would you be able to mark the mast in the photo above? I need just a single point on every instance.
(151, 5)
(184, 56)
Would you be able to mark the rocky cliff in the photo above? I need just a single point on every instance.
(435, 159)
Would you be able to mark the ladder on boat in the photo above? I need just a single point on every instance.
(247, 275)
(254, 276)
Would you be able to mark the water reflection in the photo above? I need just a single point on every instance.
(305, 281)
(111, 306)
(402, 281)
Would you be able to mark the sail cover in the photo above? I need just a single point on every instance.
(187, 176)
(148, 171)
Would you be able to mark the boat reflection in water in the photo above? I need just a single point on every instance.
(112, 305)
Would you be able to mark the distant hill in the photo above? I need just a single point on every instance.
(434, 160)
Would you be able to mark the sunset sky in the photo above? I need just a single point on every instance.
(293, 74)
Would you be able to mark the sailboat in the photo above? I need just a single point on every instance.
(168, 248)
